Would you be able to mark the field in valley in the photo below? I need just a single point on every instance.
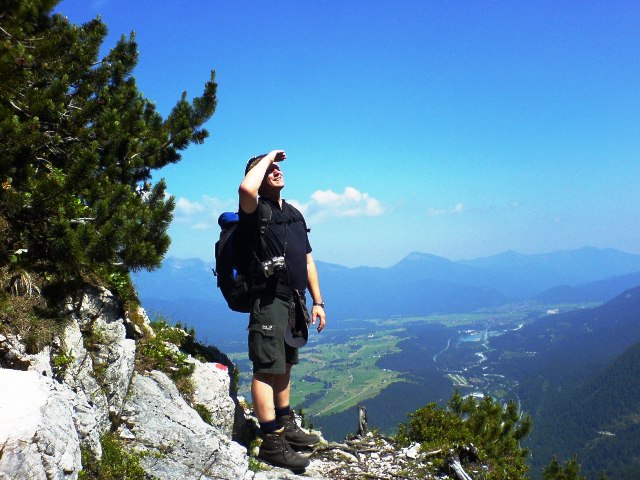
(341, 367)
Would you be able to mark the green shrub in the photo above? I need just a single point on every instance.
(116, 463)
(61, 362)
(162, 352)
(434, 428)
(204, 413)
(569, 471)
(495, 429)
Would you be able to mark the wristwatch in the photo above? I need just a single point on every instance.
(318, 304)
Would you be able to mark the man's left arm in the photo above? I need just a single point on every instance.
(314, 288)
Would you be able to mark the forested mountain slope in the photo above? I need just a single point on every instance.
(578, 376)
(597, 420)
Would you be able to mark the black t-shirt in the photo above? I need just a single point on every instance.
(285, 236)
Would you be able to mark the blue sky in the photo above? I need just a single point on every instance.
(460, 129)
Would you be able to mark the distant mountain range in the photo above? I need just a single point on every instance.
(420, 284)
(597, 291)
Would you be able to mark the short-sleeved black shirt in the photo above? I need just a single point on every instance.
(285, 236)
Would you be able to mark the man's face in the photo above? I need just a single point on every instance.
(273, 178)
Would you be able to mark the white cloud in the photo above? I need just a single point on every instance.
(350, 203)
(202, 214)
(459, 208)
(203, 226)
(462, 208)
(436, 212)
(186, 208)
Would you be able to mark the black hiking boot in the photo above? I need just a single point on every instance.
(275, 450)
(297, 437)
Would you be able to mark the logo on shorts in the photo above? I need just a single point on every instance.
(267, 328)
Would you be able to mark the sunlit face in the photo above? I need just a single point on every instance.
(274, 176)
(273, 179)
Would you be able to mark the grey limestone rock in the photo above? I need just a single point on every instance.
(13, 355)
(91, 303)
(211, 382)
(38, 439)
(114, 356)
(46, 417)
(91, 409)
(176, 443)
(99, 376)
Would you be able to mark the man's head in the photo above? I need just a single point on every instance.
(273, 180)
(253, 161)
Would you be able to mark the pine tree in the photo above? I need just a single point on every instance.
(78, 146)
(495, 429)
(569, 471)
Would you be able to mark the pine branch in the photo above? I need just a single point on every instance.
(6, 33)
(19, 109)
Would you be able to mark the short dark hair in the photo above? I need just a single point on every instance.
(253, 161)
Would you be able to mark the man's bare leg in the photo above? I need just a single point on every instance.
(262, 396)
(282, 388)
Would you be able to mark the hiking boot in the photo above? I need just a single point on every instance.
(275, 450)
(294, 434)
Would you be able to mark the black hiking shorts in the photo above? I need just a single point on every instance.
(267, 321)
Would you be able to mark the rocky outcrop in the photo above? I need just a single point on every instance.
(70, 394)
(14, 356)
(211, 385)
(38, 438)
(65, 398)
(176, 443)
(100, 363)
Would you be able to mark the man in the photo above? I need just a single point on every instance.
(278, 302)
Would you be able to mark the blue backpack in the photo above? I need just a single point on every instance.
(234, 283)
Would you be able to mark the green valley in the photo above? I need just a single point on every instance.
(338, 372)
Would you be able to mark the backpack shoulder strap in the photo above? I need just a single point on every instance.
(264, 217)
(294, 215)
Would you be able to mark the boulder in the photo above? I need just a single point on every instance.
(13, 355)
(114, 356)
(211, 383)
(90, 406)
(101, 375)
(38, 439)
(174, 441)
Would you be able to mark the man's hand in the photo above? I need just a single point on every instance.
(277, 155)
(317, 312)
